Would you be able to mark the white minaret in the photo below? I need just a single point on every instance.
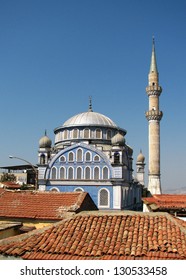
(154, 116)
(140, 166)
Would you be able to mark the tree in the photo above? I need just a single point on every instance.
(8, 177)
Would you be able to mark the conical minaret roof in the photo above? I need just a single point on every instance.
(153, 65)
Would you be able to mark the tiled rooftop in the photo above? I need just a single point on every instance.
(42, 205)
(104, 236)
(166, 201)
(10, 185)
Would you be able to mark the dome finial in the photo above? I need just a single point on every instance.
(90, 104)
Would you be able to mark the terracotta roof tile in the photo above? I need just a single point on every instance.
(42, 205)
(106, 236)
(10, 185)
(166, 201)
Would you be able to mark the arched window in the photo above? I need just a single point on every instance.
(116, 157)
(70, 173)
(87, 173)
(105, 173)
(54, 190)
(62, 173)
(53, 173)
(78, 189)
(42, 159)
(104, 198)
(62, 159)
(65, 134)
(108, 134)
(75, 133)
(71, 156)
(87, 156)
(98, 133)
(79, 173)
(79, 155)
(96, 173)
(86, 133)
(97, 158)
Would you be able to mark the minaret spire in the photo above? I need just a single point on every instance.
(154, 116)
(153, 65)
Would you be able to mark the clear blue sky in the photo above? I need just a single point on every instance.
(54, 54)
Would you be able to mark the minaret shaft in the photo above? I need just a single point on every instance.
(154, 148)
(154, 116)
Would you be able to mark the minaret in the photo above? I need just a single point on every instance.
(140, 166)
(154, 116)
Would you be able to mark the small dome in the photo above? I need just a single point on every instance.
(45, 142)
(140, 157)
(118, 139)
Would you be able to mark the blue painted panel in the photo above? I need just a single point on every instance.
(92, 190)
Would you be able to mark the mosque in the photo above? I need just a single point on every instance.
(90, 154)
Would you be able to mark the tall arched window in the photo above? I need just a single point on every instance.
(42, 159)
(65, 134)
(75, 133)
(79, 155)
(104, 198)
(62, 173)
(86, 133)
(116, 157)
(96, 173)
(53, 173)
(70, 173)
(105, 173)
(71, 156)
(79, 173)
(87, 156)
(87, 173)
(98, 133)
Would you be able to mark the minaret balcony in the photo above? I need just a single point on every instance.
(153, 90)
(154, 115)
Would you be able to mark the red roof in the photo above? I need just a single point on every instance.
(164, 202)
(42, 205)
(10, 185)
(103, 236)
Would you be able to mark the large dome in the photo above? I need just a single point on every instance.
(90, 118)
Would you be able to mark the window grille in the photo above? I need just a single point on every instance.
(70, 173)
(75, 133)
(71, 156)
(98, 133)
(79, 155)
(87, 156)
(79, 173)
(62, 173)
(87, 173)
(96, 173)
(105, 173)
(54, 173)
(86, 133)
(104, 198)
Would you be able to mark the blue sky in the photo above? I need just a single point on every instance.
(54, 54)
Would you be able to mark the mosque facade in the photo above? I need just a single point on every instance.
(90, 154)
